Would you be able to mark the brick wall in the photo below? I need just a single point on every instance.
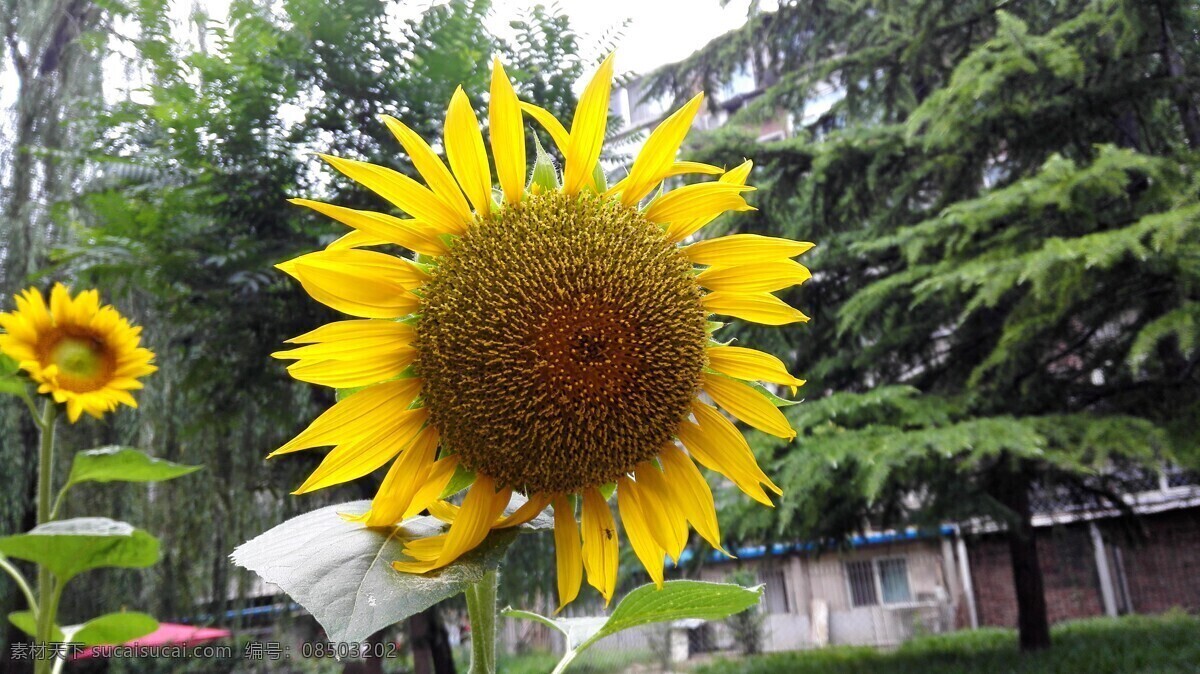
(1068, 569)
(1161, 573)
(1164, 571)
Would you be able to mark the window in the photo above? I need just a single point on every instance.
(871, 580)
(777, 599)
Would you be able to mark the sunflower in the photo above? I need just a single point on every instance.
(80, 353)
(550, 338)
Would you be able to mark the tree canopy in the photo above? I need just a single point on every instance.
(1005, 291)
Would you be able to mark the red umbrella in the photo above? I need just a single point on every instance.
(167, 634)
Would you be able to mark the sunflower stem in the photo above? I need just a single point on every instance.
(481, 609)
(47, 596)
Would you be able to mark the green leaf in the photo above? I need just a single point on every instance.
(24, 621)
(110, 629)
(461, 479)
(123, 464)
(775, 400)
(341, 572)
(678, 600)
(12, 385)
(8, 365)
(70, 547)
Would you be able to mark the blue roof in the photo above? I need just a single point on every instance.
(775, 549)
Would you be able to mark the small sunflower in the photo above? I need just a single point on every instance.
(80, 353)
(550, 338)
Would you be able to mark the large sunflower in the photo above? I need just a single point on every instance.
(80, 353)
(552, 338)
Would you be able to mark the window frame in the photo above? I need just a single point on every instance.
(875, 564)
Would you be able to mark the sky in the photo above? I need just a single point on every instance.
(659, 31)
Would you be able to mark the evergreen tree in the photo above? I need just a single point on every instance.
(1006, 298)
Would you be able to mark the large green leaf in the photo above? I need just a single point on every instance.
(123, 464)
(677, 600)
(341, 571)
(111, 629)
(108, 629)
(69, 547)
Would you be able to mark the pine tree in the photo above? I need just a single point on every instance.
(1006, 297)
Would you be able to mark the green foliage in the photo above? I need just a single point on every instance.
(1007, 212)
(1161, 644)
(676, 600)
(122, 464)
(747, 627)
(70, 547)
(183, 212)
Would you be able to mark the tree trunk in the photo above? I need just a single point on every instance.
(1033, 623)
(430, 643)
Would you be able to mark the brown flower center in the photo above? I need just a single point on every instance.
(561, 343)
(84, 362)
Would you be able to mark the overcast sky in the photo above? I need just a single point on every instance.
(659, 31)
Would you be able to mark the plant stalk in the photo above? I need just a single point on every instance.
(481, 609)
(46, 594)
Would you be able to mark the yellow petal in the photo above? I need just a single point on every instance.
(762, 308)
(691, 494)
(728, 440)
(405, 193)
(367, 263)
(528, 510)
(567, 551)
(648, 551)
(678, 168)
(658, 153)
(558, 132)
(356, 239)
(587, 129)
(480, 509)
(355, 415)
(430, 166)
(439, 477)
(681, 229)
(342, 331)
(743, 363)
(446, 512)
(765, 277)
(599, 544)
(743, 402)
(352, 373)
(410, 234)
(464, 149)
(426, 549)
(720, 447)
(508, 135)
(702, 200)
(666, 524)
(737, 249)
(403, 480)
(356, 458)
(358, 282)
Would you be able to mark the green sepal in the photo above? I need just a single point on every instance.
(544, 175)
(461, 479)
(599, 180)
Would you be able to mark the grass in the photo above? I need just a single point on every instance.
(1166, 644)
